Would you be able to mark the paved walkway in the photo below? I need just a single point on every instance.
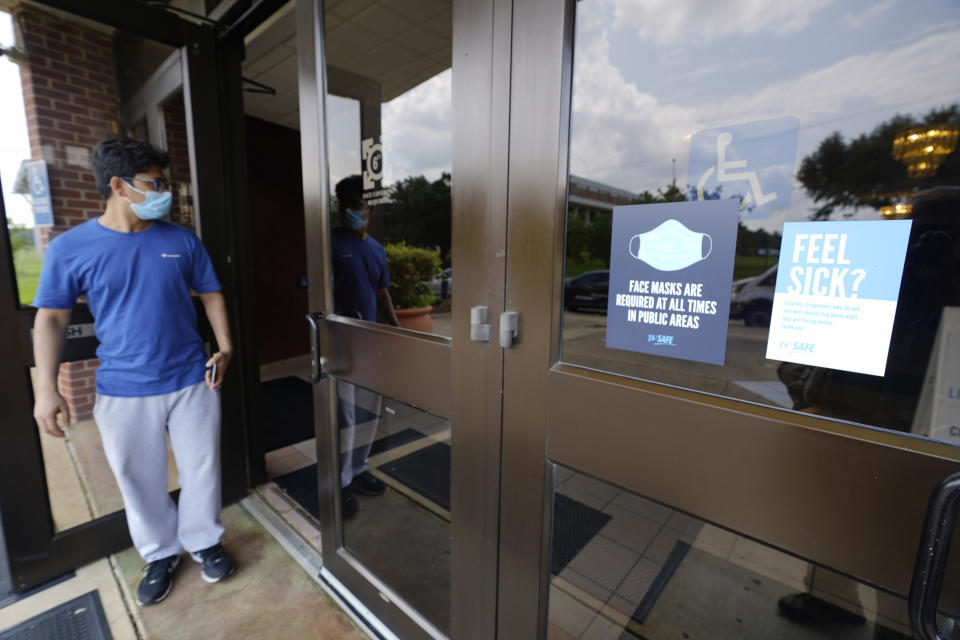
(270, 596)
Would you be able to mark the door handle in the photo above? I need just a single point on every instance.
(317, 361)
(932, 557)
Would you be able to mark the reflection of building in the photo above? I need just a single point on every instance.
(588, 198)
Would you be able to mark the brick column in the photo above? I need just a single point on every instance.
(70, 98)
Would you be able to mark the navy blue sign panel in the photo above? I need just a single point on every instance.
(40, 193)
(671, 271)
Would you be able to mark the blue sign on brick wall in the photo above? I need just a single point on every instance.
(40, 199)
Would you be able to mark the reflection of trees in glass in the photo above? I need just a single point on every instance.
(419, 214)
(864, 172)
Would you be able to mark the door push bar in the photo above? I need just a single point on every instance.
(317, 361)
(931, 563)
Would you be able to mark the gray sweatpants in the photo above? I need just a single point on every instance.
(133, 432)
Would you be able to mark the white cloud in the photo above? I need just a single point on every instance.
(417, 131)
(858, 20)
(670, 21)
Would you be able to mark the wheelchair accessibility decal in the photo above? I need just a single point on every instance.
(671, 267)
(754, 161)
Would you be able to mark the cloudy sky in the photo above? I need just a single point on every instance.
(650, 74)
(14, 145)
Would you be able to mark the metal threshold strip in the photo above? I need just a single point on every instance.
(311, 561)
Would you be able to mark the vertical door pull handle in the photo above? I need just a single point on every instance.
(479, 324)
(317, 361)
(932, 559)
(509, 323)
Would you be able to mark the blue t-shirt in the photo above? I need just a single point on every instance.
(137, 286)
(359, 272)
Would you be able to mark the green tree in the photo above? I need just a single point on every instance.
(863, 171)
(420, 214)
(20, 236)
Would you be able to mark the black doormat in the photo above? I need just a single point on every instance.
(301, 486)
(287, 412)
(426, 471)
(80, 619)
(574, 525)
(394, 440)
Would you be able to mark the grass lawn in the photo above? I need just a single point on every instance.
(27, 264)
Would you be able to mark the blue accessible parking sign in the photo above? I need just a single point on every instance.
(40, 199)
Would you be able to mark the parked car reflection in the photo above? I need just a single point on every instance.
(752, 298)
(442, 284)
(587, 290)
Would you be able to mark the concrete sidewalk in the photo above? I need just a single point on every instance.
(270, 595)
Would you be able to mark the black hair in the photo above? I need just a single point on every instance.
(349, 189)
(123, 157)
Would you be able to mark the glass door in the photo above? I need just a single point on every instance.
(397, 139)
(738, 436)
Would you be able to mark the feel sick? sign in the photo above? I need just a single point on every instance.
(836, 294)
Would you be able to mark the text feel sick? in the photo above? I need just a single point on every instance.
(823, 249)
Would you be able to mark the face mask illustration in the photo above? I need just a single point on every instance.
(671, 246)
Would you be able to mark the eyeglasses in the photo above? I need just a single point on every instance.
(159, 184)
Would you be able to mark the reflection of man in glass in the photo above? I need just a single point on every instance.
(360, 282)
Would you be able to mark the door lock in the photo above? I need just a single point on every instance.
(509, 322)
(479, 324)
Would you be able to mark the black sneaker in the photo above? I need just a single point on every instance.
(349, 502)
(217, 565)
(368, 484)
(157, 580)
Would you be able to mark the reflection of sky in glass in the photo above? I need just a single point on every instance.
(343, 137)
(14, 144)
(648, 75)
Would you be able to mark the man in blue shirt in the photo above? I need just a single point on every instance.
(136, 273)
(360, 282)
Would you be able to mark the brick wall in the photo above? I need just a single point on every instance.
(175, 120)
(69, 93)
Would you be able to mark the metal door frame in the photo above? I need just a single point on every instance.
(455, 378)
(214, 112)
(878, 480)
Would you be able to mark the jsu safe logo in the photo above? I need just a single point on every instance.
(753, 161)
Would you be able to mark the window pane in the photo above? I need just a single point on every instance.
(845, 118)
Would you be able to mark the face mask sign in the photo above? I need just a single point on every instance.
(671, 272)
(155, 206)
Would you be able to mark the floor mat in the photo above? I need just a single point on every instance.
(80, 619)
(287, 412)
(394, 440)
(426, 471)
(301, 486)
(574, 525)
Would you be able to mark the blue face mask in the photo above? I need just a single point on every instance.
(670, 246)
(155, 206)
(353, 219)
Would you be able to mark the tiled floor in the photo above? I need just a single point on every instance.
(599, 592)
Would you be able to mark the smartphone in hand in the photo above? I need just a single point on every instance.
(213, 375)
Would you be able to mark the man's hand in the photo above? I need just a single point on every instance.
(48, 404)
(222, 360)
